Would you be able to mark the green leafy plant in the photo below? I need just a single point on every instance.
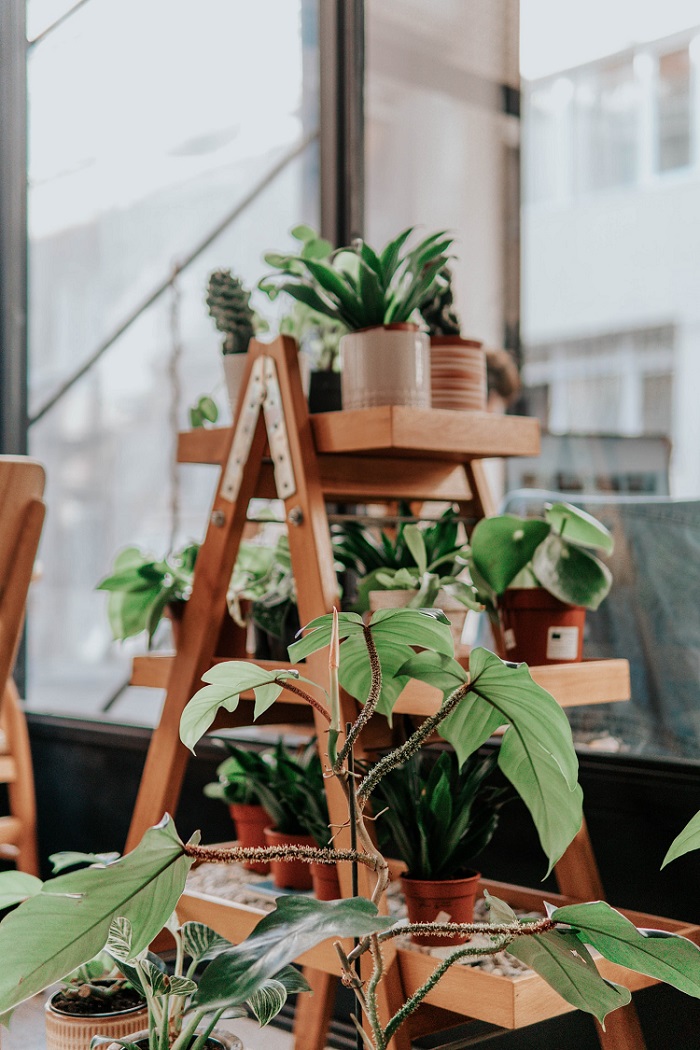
(179, 1017)
(229, 305)
(437, 309)
(284, 791)
(204, 410)
(140, 587)
(238, 775)
(68, 920)
(317, 335)
(420, 550)
(263, 575)
(554, 553)
(437, 817)
(360, 288)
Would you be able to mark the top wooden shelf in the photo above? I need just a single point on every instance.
(394, 431)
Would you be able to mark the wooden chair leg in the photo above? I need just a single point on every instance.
(314, 1011)
(21, 789)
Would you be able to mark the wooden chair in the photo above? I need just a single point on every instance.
(21, 519)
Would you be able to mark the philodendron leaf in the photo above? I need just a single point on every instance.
(226, 683)
(68, 923)
(659, 954)
(318, 634)
(17, 886)
(578, 527)
(297, 925)
(200, 942)
(269, 999)
(502, 546)
(70, 858)
(685, 842)
(537, 752)
(572, 575)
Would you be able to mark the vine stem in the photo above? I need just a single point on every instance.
(298, 691)
(370, 704)
(308, 854)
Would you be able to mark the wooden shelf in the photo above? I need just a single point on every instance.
(393, 432)
(509, 1002)
(572, 685)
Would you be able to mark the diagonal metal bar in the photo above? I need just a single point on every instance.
(186, 261)
(59, 22)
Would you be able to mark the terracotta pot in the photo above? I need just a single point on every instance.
(251, 822)
(539, 629)
(73, 1032)
(387, 365)
(450, 899)
(455, 612)
(220, 1039)
(325, 882)
(289, 874)
(458, 373)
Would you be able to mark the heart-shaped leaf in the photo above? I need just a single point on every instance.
(578, 527)
(502, 546)
(572, 575)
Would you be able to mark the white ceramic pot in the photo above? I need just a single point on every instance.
(385, 366)
(455, 612)
(234, 367)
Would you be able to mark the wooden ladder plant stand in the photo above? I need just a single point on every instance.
(277, 450)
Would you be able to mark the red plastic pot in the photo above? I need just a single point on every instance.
(251, 822)
(289, 874)
(451, 899)
(539, 629)
(325, 882)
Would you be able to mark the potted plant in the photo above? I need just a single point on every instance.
(419, 567)
(283, 793)
(263, 576)
(143, 589)
(237, 776)
(318, 337)
(385, 359)
(66, 921)
(437, 818)
(314, 818)
(96, 999)
(229, 305)
(538, 577)
(457, 365)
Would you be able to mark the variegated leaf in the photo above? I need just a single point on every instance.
(200, 942)
(119, 939)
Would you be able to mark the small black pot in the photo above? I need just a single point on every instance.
(324, 392)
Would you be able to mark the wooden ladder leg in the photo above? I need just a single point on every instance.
(312, 1016)
(578, 876)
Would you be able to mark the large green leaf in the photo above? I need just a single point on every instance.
(297, 925)
(537, 752)
(565, 963)
(656, 953)
(502, 546)
(578, 527)
(226, 683)
(16, 886)
(685, 842)
(355, 675)
(68, 922)
(318, 634)
(572, 575)
(426, 628)
(200, 942)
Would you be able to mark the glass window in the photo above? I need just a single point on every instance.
(150, 124)
(606, 126)
(673, 110)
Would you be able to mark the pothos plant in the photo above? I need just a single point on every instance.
(68, 920)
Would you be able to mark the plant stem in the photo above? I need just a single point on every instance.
(298, 691)
(369, 705)
(401, 754)
(418, 996)
(377, 974)
(308, 854)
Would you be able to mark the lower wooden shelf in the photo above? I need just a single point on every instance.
(509, 1002)
(589, 682)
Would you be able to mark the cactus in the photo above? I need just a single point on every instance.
(229, 305)
(437, 311)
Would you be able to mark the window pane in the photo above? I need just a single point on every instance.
(673, 110)
(607, 127)
(130, 189)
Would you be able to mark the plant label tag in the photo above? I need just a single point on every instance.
(509, 638)
(562, 643)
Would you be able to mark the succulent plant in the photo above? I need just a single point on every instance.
(437, 309)
(229, 305)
